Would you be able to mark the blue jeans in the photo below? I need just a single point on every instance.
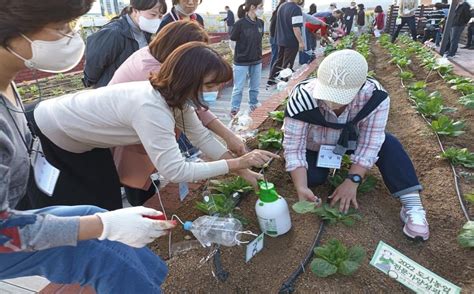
(274, 51)
(394, 164)
(411, 22)
(454, 38)
(254, 72)
(109, 267)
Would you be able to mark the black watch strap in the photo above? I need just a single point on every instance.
(355, 178)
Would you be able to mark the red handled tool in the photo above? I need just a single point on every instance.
(156, 217)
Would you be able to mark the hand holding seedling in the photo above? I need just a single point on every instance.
(255, 158)
(305, 194)
(251, 177)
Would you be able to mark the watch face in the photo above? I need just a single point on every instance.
(357, 178)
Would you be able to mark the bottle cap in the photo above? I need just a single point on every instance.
(187, 225)
(267, 192)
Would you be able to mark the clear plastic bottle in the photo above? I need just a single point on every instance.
(213, 229)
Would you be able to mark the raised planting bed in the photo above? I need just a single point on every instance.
(269, 269)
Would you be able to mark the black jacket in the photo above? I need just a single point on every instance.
(106, 50)
(230, 19)
(173, 16)
(248, 35)
(462, 15)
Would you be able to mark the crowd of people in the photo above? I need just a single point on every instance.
(152, 79)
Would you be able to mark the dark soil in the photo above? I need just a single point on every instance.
(270, 268)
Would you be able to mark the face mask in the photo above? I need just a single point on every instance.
(259, 12)
(54, 56)
(209, 97)
(149, 25)
(181, 10)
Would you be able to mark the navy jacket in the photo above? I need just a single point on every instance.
(230, 19)
(106, 50)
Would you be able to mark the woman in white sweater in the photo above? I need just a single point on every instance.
(77, 130)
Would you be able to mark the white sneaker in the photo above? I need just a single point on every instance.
(416, 227)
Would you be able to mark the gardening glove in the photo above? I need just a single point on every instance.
(131, 227)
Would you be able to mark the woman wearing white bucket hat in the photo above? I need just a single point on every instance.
(345, 112)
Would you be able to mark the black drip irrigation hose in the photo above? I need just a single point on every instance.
(288, 285)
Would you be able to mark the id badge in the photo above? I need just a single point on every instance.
(327, 158)
(46, 175)
(348, 18)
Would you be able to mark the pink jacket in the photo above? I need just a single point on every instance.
(133, 165)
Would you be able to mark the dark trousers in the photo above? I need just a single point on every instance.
(274, 51)
(411, 22)
(454, 38)
(470, 32)
(88, 178)
(286, 58)
(348, 25)
(394, 164)
(430, 35)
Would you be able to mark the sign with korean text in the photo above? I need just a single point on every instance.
(409, 273)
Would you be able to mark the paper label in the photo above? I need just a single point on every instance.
(327, 158)
(254, 247)
(268, 225)
(409, 273)
(46, 175)
(183, 190)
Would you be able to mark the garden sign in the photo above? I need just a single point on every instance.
(409, 273)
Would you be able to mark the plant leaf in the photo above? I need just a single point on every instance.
(348, 267)
(322, 268)
(304, 207)
(356, 254)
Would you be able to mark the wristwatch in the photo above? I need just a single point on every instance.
(355, 178)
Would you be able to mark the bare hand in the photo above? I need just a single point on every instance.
(256, 158)
(346, 194)
(301, 46)
(236, 145)
(251, 177)
(306, 194)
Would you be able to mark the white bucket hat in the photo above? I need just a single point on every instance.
(340, 76)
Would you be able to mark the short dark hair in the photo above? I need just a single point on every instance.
(174, 35)
(227, 7)
(144, 5)
(182, 75)
(361, 6)
(378, 9)
(176, 2)
(28, 16)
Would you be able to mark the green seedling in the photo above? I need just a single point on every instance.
(470, 197)
(277, 115)
(334, 257)
(406, 75)
(459, 157)
(330, 214)
(467, 101)
(466, 236)
(229, 187)
(272, 139)
(417, 86)
(447, 127)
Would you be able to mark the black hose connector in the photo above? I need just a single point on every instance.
(220, 272)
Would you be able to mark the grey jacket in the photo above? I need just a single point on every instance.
(24, 230)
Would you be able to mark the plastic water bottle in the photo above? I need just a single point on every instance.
(213, 229)
(272, 211)
(241, 125)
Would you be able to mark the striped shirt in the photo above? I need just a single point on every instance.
(300, 136)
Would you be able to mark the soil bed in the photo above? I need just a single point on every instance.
(267, 271)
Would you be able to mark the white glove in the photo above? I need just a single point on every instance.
(129, 226)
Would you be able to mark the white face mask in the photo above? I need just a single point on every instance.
(149, 25)
(54, 56)
(179, 9)
(259, 12)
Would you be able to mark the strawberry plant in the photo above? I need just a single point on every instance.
(459, 157)
(467, 101)
(328, 213)
(272, 139)
(334, 257)
(430, 106)
(453, 80)
(447, 127)
(419, 95)
(277, 115)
